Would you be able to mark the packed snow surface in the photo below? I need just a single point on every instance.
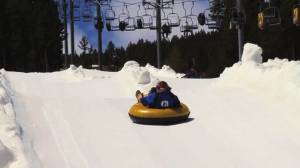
(78, 118)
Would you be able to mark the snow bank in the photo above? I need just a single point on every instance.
(165, 71)
(11, 147)
(252, 52)
(136, 77)
(276, 79)
(143, 78)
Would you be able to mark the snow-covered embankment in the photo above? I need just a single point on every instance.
(11, 148)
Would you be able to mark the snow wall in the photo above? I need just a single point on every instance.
(276, 79)
(11, 147)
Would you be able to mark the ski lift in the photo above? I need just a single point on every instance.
(147, 20)
(139, 20)
(213, 22)
(296, 14)
(187, 22)
(130, 21)
(130, 24)
(149, 5)
(87, 14)
(164, 19)
(110, 14)
(201, 19)
(236, 18)
(173, 19)
(167, 4)
(123, 19)
(194, 24)
(268, 16)
(166, 28)
(76, 11)
(113, 25)
(153, 26)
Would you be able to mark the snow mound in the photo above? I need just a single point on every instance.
(136, 77)
(144, 78)
(252, 52)
(10, 136)
(277, 79)
(165, 71)
(76, 74)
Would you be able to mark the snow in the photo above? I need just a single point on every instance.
(78, 118)
(11, 147)
(252, 52)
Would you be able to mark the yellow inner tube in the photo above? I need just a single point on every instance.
(141, 111)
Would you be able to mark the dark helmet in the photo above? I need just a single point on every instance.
(163, 84)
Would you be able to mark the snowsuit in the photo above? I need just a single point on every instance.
(164, 99)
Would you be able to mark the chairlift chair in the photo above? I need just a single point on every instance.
(76, 14)
(110, 14)
(87, 14)
(130, 24)
(147, 20)
(123, 20)
(173, 19)
(153, 26)
(236, 18)
(194, 18)
(76, 10)
(194, 22)
(185, 24)
(213, 22)
(296, 14)
(268, 17)
(113, 25)
(139, 21)
(164, 19)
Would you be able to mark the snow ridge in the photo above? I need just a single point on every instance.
(277, 79)
(11, 147)
(144, 78)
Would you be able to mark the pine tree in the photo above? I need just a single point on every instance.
(84, 44)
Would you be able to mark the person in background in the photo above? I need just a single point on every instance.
(159, 97)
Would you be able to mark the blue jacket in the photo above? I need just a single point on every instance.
(164, 99)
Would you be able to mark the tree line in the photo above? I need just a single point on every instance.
(30, 36)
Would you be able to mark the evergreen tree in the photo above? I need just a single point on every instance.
(84, 44)
(31, 30)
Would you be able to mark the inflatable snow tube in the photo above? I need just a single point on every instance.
(144, 115)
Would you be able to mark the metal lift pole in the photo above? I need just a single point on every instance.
(158, 32)
(66, 32)
(72, 30)
(99, 37)
(240, 9)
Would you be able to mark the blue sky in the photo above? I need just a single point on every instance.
(123, 38)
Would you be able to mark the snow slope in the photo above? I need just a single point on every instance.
(78, 118)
